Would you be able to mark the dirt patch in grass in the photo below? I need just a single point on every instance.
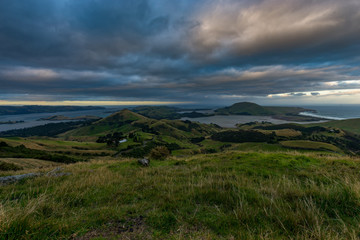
(133, 228)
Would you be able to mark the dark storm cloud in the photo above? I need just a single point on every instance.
(177, 50)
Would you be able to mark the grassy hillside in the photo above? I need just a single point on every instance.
(233, 195)
(312, 145)
(60, 146)
(119, 121)
(350, 125)
(184, 137)
(142, 133)
(29, 163)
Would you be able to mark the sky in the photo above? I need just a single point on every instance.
(98, 52)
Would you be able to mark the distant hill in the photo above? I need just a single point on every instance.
(245, 108)
(253, 109)
(14, 110)
(158, 112)
(127, 121)
(165, 112)
(61, 118)
(142, 133)
(115, 122)
(122, 116)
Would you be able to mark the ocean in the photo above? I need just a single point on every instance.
(335, 112)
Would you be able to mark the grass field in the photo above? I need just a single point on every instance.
(29, 163)
(311, 145)
(283, 132)
(59, 145)
(231, 195)
(350, 125)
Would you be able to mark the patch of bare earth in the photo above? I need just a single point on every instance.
(133, 228)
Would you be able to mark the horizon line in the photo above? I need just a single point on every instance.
(88, 103)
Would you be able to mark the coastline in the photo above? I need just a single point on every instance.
(312, 114)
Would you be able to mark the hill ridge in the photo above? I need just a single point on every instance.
(244, 108)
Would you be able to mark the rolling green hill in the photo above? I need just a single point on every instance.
(350, 125)
(142, 133)
(312, 145)
(119, 121)
(127, 121)
(28, 163)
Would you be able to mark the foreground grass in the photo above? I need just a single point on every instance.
(232, 195)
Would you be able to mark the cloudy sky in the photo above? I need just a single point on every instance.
(203, 51)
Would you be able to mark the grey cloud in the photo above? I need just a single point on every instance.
(276, 25)
(297, 94)
(161, 49)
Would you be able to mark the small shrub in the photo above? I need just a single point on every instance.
(208, 150)
(4, 166)
(159, 153)
(3, 144)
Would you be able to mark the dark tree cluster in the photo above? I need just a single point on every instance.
(197, 139)
(111, 139)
